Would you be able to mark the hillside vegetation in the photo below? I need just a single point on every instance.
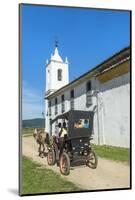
(33, 123)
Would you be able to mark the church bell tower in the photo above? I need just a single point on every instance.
(57, 76)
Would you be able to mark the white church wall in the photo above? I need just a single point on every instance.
(112, 116)
(47, 78)
(80, 96)
(110, 100)
(114, 106)
(46, 116)
(79, 102)
(52, 66)
(53, 71)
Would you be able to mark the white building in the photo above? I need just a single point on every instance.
(104, 89)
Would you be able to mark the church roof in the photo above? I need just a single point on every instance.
(105, 65)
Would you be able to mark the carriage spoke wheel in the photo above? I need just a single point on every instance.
(64, 164)
(92, 160)
(51, 157)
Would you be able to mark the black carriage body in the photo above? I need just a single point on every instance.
(77, 142)
(73, 116)
(78, 145)
(75, 149)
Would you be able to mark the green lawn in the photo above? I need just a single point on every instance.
(112, 153)
(38, 179)
(27, 131)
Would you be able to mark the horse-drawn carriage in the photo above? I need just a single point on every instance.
(74, 149)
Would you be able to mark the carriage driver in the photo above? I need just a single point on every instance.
(63, 131)
(62, 136)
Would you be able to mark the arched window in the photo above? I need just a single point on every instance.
(88, 94)
(72, 94)
(49, 105)
(56, 108)
(62, 103)
(72, 99)
(88, 86)
(59, 74)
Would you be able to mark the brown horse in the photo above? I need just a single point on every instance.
(41, 138)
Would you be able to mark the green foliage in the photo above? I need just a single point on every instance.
(34, 123)
(27, 131)
(38, 179)
(113, 153)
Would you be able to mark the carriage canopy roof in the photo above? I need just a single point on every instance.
(80, 123)
(74, 114)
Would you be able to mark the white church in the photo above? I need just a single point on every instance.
(104, 89)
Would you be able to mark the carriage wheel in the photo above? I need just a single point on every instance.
(51, 157)
(64, 164)
(92, 160)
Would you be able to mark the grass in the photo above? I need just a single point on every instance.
(112, 153)
(38, 179)
(27, 131)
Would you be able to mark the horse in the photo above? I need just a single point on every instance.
(41, 138)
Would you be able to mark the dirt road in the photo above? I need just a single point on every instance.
(109, 174)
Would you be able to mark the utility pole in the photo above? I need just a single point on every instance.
(43, 120)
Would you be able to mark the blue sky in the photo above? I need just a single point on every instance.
(86, 36)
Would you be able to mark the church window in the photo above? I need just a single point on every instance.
(88, 94)
(56, 101)
(72, 99)
(49, 108)
(62, 103)
(72, 94)
(56, 106)
(59, 74)
(62, 98)
(88, 86)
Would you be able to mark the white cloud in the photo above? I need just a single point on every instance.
(32, 102)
